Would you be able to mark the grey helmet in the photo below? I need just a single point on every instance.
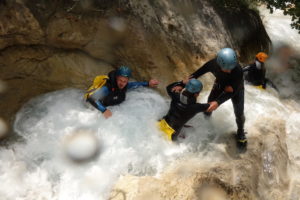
(124, 71)
(226, 59)
(194, 86)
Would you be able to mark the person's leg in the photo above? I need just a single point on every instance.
(238, 106)
(175, 136)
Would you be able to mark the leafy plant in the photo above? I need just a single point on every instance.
(289, 7)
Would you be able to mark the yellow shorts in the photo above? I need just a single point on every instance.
(259, 87)
(166, 128)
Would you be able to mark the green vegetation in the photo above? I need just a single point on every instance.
(289, 7)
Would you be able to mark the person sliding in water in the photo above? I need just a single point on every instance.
(183, 107)
(255, 73)
(229, 84)
(111, 90)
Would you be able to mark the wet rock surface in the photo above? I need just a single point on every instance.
(156, 39)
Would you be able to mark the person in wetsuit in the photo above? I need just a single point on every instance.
(113, 92)
(229, 84)
(255, 73)
(183, 107)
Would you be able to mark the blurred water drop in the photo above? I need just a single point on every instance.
(81, 146)
(3, 128)
(117, 24)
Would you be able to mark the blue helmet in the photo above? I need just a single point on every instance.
(124, 71)
(194, 86)
(227, 59)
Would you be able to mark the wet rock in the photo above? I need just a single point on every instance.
(18, 26)
(156, 39)
(260, 173)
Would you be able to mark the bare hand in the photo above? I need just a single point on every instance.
(107, 114)
(177, 88)
(153, 83)
(228, 89)
(213, 106)
(184, 81)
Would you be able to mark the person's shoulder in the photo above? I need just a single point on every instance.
(212, 61)
(237, 71)
(238, 68)
(211, 64)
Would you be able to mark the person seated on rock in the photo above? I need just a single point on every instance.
(255, 73)
(111, 90)
(183, 107)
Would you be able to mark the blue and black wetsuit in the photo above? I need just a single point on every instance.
(233, 79)
(255, 74)
(110, 94)
(183, 107)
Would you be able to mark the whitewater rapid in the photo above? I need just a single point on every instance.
(37, 167)
(129, 142)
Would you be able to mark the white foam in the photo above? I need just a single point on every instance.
(129, 141)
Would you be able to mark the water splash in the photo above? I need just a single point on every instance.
(129, 141)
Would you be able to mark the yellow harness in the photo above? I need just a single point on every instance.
(166, 128)
(98, 82)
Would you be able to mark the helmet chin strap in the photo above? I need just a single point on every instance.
(183, 98)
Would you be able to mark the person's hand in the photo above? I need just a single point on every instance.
(228, 89)
(153, 83)
(186, 80)
(213, 106)
(177, 88)
(107, 114)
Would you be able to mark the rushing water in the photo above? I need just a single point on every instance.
(284, 64)
(39, 166)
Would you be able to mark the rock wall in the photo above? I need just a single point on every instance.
(67, 43)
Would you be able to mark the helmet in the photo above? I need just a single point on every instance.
(124, 71)
(261, 57)
(194, 86)
(226, 58)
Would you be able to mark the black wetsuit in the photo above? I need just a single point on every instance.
(233, 79)
(181, 109)
(255, 74)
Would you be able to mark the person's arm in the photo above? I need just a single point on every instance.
(201, 107)
(151, 83)
(247, 68)
(170, 87)
(101, 94)
(231, 89)
(100, 106)
(133, 85)
(264, 84)
(207, 67)
(268, 81)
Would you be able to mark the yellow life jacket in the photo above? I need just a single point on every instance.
(166, 128)
(99, 82)
(259, 87)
